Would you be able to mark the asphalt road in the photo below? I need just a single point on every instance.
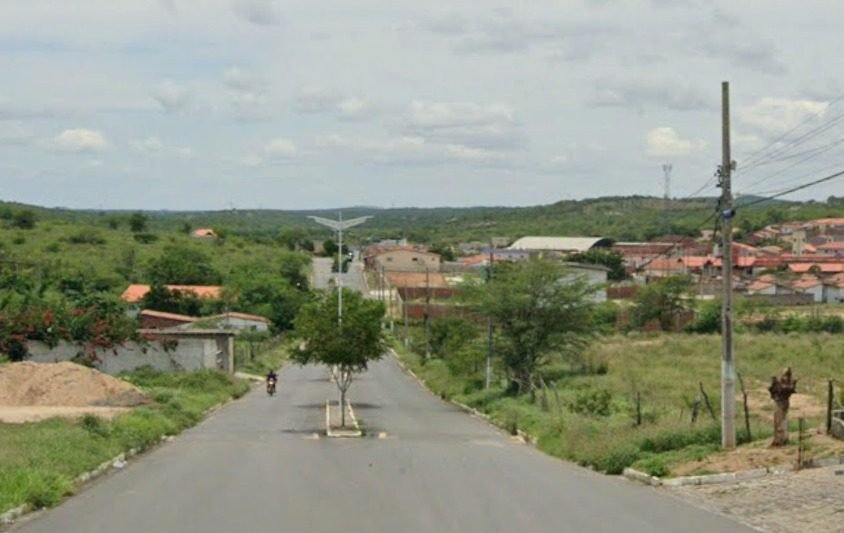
(260, 465)
(322, 274)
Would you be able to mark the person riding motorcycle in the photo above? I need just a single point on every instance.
(272, 379)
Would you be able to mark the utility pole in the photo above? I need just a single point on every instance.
(728, 364)
(488, 380)
(427, 313)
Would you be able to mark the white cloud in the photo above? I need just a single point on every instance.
(665, 142)
(465, 123)
(258, 12)
(14, 132)
(150, 145)
(773, 116)
(280, 148)
(351, 108)
(171, 96)
(185, 151)
(80, 140)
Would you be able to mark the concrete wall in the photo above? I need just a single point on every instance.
(407, 261)
(242, 324)
(187, 355)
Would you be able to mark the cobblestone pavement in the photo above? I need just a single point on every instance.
(807, 501)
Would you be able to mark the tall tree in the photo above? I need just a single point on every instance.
(138, 222)
(661, 300)
(183, 266)
(608, 258)
(540, 309)
(347, 347)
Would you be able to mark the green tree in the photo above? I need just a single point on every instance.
(183, 266)
(347, 347)
(160, 298)
(329, 248)
(268, 295)
(661, 300)
(138, 222)
(24, 219)
(444, 251)
(540, 309)
(186, 227)
(608, 258)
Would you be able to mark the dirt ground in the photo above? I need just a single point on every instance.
(761, 455)
(36, 391)
(36, 413)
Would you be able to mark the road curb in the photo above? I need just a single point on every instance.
(343, 433)
(522, 436)
(118, 462)
(727, 477)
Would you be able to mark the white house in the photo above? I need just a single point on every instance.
(833, 289)
(595, 275)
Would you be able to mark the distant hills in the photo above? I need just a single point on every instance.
(629, 218)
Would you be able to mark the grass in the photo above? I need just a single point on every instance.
(40, 461)
(264, 361)
(593, 423)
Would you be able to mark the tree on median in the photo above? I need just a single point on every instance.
(540, 309)
(347, 347)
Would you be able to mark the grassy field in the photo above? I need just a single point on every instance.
(588, 412)
(268, 355)
(39, 461)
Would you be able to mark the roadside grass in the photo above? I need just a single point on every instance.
(588, 412)
(263, 362)
(40, 461)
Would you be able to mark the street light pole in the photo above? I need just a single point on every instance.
(339, 225)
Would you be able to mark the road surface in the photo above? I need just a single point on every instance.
(260, 464)
(353, 279)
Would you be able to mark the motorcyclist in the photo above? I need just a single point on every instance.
(272, 377)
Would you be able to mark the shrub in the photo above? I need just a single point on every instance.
(95, 425)
(146, 238)
(655, 466)
(592, 402)
(86, 237)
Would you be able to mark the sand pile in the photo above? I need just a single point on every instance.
(64, 384)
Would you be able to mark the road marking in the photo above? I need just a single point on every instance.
(312, 436)
(383, 435)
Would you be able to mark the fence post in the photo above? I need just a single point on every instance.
(829, 402)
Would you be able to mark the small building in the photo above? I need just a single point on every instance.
(150, 319)
(240, 322)
(833, 289)
(204, 233)
(559, 245)
(135, 293)
(595, 275)
(810, 284)
(835, 249)
(406, 260)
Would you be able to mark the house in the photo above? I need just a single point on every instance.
(825, 225)
(405, 260)
(833, 287)
(204, 233)
(135, 293)
(809, 284)
(768, 285)
(240, 322)
(595, 275)
(831, 249)
(150, 319)
(559, 245)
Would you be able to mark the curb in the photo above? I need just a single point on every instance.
(343, 433)
(118, 462)
(727, 477)
(523, 437)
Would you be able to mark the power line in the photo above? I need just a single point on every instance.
(758, 154)
(811, 155)
(795, 189)
(675, 244)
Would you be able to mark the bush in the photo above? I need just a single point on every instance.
(655, 466)
(86, 237)
(592, 402)
(146, 238)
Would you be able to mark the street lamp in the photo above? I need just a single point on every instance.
(339, 225)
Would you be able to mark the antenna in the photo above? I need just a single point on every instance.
(666, 197)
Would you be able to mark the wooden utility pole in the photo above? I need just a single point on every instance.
(427, 313)
(728, 364)
(488, 380)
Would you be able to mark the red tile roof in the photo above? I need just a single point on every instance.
(169, 316)
(826, 268)
(204, 232)
(831, 246)
(135, 293)
(807, 281)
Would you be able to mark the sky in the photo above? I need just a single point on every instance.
(213, 104)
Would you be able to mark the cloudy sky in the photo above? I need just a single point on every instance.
(203, 104)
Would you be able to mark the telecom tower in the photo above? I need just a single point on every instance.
(666, 198)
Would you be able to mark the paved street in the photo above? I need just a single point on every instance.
(260, 465)
(353, 279)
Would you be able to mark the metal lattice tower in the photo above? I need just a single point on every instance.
(666, 197)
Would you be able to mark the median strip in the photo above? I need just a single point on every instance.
(340, 431)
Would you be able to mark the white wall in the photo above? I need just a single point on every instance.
(594, 277)
(188, 355)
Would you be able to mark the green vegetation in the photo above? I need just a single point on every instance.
(348, 347)
(40, 461)
(257, 354)
(586, 412)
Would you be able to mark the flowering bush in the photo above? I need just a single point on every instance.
(92, 326)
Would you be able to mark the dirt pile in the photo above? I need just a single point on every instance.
(64, 384)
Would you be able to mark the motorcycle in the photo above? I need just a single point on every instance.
(271, 386)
